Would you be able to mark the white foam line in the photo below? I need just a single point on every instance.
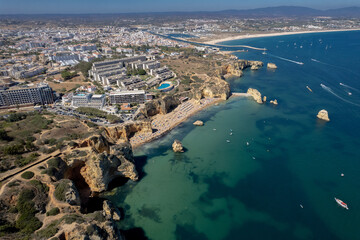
(289, 60)
(331, 91)
(347, 86)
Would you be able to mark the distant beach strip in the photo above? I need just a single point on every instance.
(239, 37)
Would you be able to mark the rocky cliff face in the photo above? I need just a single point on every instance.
(230, 70)
(101, 168)
(163, 105)
(124, 131)
(252, 64)
(255, 94)
(214, 88)
(106, 230)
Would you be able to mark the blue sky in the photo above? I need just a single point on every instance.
(122, 6)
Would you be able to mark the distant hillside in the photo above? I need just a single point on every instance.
(281, 11)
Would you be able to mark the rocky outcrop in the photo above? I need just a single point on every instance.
(101, 168)
(106, 230)
(264, 99)
(71, 194)
(230, 70)
(252, 64)
(271, 66)
(323, 115)
(110, 212)
(214, 88)
(177, 146)
(125, 131)
(98, 143)
(275, 102)
(255, 94)
(198, 123)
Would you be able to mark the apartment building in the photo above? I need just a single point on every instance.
(39, 94)
(136, 96)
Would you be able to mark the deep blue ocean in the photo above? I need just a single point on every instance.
(278, 157)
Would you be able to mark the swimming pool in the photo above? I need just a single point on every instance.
(164, 85)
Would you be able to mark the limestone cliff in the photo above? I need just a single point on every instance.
(230, 70)
(214, 88)
(106, 230)
(101, 168)
(255, 94)
(123, 132)
(252, 64)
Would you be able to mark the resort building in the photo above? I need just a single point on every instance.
(136, 96)
(39, 94)
(87, 100)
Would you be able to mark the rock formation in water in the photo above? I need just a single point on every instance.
(252, 64)
(275, 102)
(198, 123)
(177, 146)
(271, 66)
(264, 99)
(323, 114)
(255, 94)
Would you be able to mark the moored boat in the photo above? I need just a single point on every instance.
(341, 203)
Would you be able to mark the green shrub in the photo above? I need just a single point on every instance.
(69, 219)
(20, 162)
(13, 149)
(54, 162)
(61, 188)
(27, 175)
(13, 184)
(27, 222)
(41, 187)
(51, 171)
(53, 212)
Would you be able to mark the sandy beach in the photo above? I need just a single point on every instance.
(216, 41)
(162, 124)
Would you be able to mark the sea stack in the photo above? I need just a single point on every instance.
(255, 94)
(264, 99)
(274, 102)
(323, 115)
(177, 146)
(271, 66)
(198, 123)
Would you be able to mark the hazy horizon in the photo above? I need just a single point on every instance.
(157, 6)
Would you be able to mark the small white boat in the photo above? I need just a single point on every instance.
(341, 203)
(301, 206)
(264, 52)
(349, 93)
(247, 143)
(342, 174)
(231, 133)
(214, 129)
(228, 141)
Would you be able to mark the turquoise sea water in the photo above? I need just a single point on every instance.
(278, 157)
